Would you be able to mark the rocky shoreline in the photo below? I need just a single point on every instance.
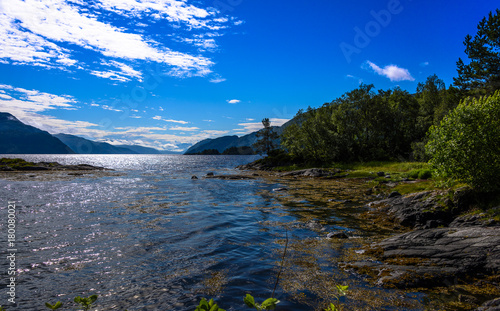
(447, 242)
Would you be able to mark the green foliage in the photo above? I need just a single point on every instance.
(482, 75)
(2, 309)
(420, 174)
(342, 290)
(208, 306)
(268, 304)
(85, 302)
(55, 306)
(466, 145)
(359, 126)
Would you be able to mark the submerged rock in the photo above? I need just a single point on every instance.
(337, 235)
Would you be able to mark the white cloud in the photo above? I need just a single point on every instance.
(234, 101)
(182, 128)
(250, 127)
(159, 118)
(217, 79)
(424, 64)
(43, 32)
(393, 72)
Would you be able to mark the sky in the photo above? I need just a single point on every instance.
(169, 73)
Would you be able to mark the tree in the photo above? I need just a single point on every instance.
(466, 145)
(267, 136)
(482, 74)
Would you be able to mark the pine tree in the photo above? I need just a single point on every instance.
(267, 136)
(482, 75)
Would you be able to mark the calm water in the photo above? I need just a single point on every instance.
(149, 239)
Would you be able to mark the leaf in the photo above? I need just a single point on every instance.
(250, 301)
(93, 298)
(269, 304)
(342, 289)
(215, 307)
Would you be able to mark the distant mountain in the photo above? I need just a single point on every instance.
(140, 149)
(220, 144)
(19, 138)
(226, 142)
(84, 146)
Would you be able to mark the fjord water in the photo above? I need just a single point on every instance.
(147, 237)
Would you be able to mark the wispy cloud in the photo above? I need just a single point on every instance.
(234, 101)
(45, 33)
(183, 128)
(424, 64)
(169, 120)
(250, 127)
(217, 79)
(393, 72)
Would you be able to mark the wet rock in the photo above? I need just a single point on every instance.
(481, 220)
(434, 257)
(492, 305)
(394, 194)
(337, 235)
(312, 172)
(415, 210)
(230, 177)
(194, 177)
(210, 174)
(280, 189)
(314, 225)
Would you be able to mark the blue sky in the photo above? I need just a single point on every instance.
(169, 73)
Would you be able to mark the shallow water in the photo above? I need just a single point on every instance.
(154, 239)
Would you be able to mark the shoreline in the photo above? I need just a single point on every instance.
(435, 241)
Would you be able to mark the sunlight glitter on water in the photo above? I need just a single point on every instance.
(151, 238)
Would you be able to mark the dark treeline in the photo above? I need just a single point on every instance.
(365, 125)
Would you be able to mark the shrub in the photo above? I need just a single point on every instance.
(466, 145)
(424, 174)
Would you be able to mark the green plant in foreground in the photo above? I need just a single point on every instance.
(342, 292)
(55, 306)
(208, 306)
(268, 304)
(87, 302)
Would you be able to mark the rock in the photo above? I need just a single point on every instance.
(337, 235)
(387, 176)
(492, 305)
(416, 209)
(314, 225)
(473, 220)
(381, 174)
(230, 177)
(210, 174)
(394, 194)
(194, 177)
(311, 172)
(435, 257)
(280, 189)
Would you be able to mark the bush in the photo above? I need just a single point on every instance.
(424, 174)
(466, 145)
